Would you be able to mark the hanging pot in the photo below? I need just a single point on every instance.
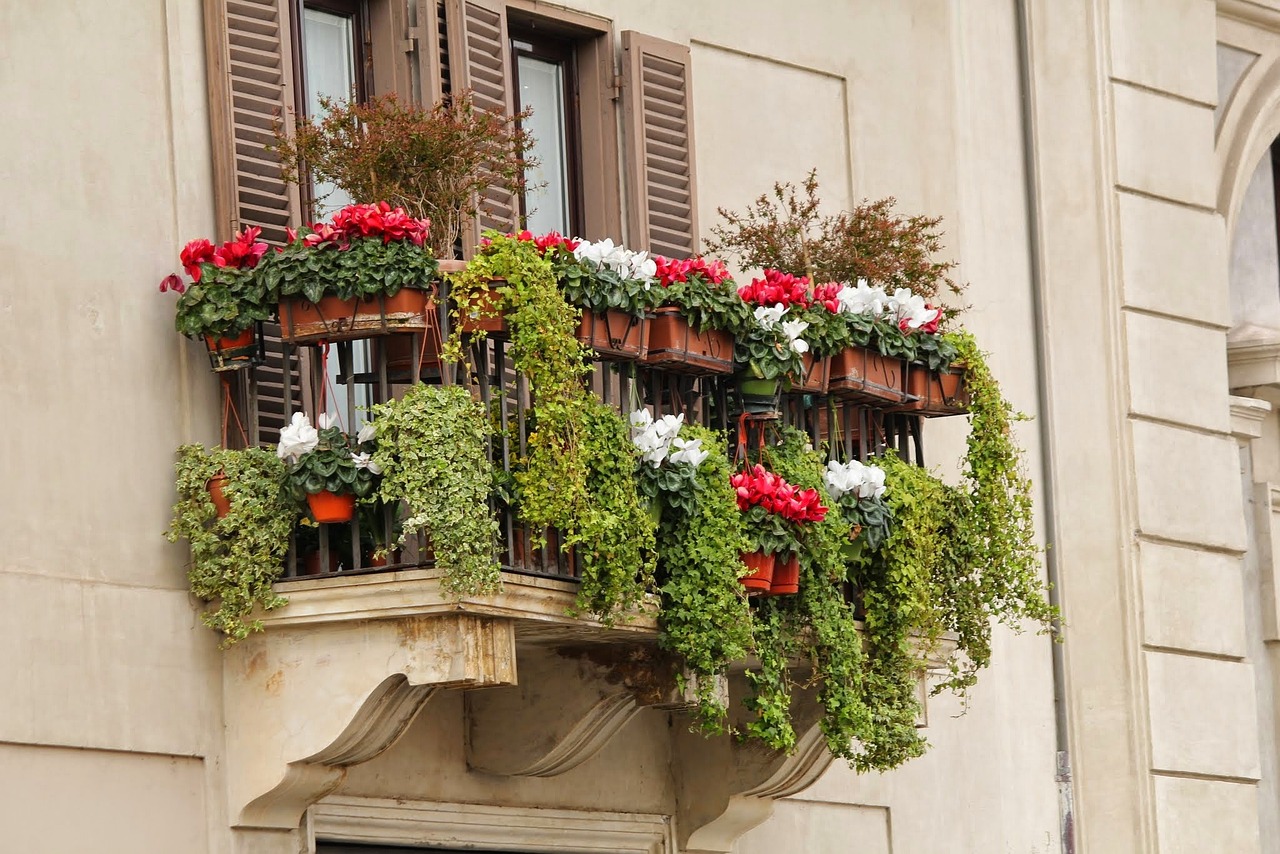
(786, 576)
(758, 395)
(332, 507)
(220, 501)
(761, 565)
(675, 346)
(614, 334)
(232, 354)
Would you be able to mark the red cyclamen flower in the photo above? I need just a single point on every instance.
(777, 288)
(194, 254)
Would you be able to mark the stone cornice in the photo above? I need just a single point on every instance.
(1247, 415)
(1253, 357)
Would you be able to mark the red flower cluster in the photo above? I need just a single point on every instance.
(380, 220)
(244, 251)
(777, 288)
(827, 296)
(929, 328)
(547, 242)
(672, 270)
(758, 486)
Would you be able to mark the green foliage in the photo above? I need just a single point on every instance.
(237, 558)
(433, 449)
(331, 468)
(775, 639)
(704, 617)
(706, 304)
(598, 288)
(225, 302)
(366, 268)
(765, 352)
(434, 162)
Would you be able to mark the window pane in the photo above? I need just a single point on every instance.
(542, 88)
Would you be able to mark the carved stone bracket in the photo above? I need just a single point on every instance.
(552, 724)
(304, 704)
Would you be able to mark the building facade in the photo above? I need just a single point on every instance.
(1105, 171)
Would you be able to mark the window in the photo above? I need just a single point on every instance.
(544, 81)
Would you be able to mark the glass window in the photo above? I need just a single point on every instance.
(544, 85)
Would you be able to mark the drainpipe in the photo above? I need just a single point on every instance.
(1066, 815)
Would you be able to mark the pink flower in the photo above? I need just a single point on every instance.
(173, 282)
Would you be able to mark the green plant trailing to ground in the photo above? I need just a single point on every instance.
(433, 449)
(705, 618)
(237, 558)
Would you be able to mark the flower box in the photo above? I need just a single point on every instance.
(614, 335)
(817, 375)
(675, 346)
(863, 375)
(935, 394)
(337, 319)
(486, 315)
(233, 354)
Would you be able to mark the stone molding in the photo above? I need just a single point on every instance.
(386, 821)
(1253, 358)
(1247, 415)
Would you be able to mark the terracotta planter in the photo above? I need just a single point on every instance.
(758, 396)
(329, 507)
(935, 394)
(786, 576)
(817, 374)
(220, 501)
(863, 375)
(334, 319)
(614, 335)
(675, 346)
(486, 315)
(233, 354)
(761, 565)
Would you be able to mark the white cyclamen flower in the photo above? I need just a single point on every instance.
(324, 421)
(842, 478)
(862, 299)
(640, 419)
(920, 315)
(668, 426)
(297, 439)
(364, 460)
(769, 315)
(793, 329)
(689, 451)
(594, 252)
(872, 485)
(367, 433)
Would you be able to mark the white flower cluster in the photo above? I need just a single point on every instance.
(855, 478)
(903, 305)
(770, 316)
(300, 439)
(655, 440)
(624, 262)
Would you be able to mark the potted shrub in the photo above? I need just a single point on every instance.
(697, 310)
(366, 272)
(612, 285)
(768, 348)
(226, 299)
(236, 556)
(326, 469)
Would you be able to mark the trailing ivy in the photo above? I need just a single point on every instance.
(433, 449)
(705, 618)
(235, 560)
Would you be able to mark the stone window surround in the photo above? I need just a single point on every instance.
(395, 821)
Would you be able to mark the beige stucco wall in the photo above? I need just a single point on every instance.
(114, 690)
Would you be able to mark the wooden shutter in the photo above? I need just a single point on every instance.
(249, 50)
(479, 61)
(658, 116)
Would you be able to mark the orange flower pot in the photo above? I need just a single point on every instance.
(786, 576)
(936, 394)
(864, 375)
(334, 319)
(675, 346)
(232, 354)
(328, 507)
(220, 501)
(761, 565)
(614, 335)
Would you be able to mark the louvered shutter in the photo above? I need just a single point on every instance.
(479, 61)
(249, 49)
(658, 115)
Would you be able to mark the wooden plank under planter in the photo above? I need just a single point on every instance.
(934, 394)
(232, 354)
(614, 335)
(864, 375)
(817, 375)
(675, 346)
(336, 319)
